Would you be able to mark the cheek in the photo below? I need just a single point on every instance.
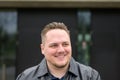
(49, 51)
(68, 49)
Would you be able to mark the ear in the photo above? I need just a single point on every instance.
(42, 48)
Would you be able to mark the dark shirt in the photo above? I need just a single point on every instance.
(76, 71)
(55, 78)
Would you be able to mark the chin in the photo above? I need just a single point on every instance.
(61, 65)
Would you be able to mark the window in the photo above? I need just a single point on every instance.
(8, 32)
(84, 37)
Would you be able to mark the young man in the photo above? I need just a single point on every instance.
(58, 63)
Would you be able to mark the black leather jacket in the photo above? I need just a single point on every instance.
(76, 71)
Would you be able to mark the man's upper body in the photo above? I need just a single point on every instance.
(76, 71)
(58, 63)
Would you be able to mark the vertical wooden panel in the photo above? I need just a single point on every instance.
(105, 52)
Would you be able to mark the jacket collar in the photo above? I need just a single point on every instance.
(73, 67)
(43, 70)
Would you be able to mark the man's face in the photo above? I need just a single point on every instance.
(57, 48)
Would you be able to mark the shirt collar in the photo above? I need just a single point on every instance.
(43, 70)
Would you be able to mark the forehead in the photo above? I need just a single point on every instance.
(57, 34)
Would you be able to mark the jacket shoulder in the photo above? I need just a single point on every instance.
(84, 67)
(88, 72)
(29, 70)
(26, 72)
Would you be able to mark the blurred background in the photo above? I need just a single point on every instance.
(8, 34)
(95, 35)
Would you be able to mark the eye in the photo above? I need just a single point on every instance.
(65, 44)
(53, 45)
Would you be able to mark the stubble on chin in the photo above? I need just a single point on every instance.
(62, 66)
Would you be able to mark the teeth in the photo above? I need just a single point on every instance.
(60, 56)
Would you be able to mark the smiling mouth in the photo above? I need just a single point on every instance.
(60, 56)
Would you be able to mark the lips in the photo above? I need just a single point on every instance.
(60, 57)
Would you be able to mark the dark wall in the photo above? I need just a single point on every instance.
(30, 23)
(106, 42)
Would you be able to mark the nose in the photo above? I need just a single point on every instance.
(60, 48)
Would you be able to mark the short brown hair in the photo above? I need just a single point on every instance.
(51, 26)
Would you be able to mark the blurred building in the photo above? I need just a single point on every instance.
(94, 26)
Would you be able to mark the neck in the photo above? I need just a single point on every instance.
(58, 72)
